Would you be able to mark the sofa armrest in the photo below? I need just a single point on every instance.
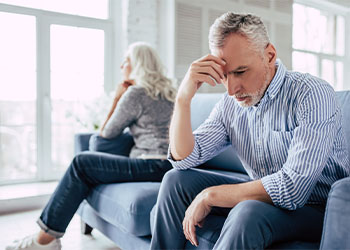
(81, 142)
(336, 225)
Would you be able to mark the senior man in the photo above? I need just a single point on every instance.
(286, 129)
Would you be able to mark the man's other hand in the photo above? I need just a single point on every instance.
(195, 216)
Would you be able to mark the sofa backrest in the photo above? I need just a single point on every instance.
(202, 104)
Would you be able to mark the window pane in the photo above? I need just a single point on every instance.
(305, 62)
(313, 30)
(17, 97)
(77, 78)
(340, 45)
(90, 8)
(328, 71)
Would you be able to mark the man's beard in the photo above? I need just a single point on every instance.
(255, 97)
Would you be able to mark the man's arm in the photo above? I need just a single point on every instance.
(312, 142)
(181, 137)
(207, 69)
(230, 195)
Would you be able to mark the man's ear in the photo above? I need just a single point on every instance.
(271, 53)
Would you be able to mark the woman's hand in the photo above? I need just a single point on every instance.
(122, 87)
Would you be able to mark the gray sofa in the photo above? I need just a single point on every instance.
(123, 211)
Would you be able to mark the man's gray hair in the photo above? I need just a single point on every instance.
(246, 25)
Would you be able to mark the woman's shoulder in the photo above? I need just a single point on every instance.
(133, 93)
(136, 90)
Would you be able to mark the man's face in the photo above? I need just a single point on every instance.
(247, 71)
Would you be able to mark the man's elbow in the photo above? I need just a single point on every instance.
(175, 156)
(294, 203)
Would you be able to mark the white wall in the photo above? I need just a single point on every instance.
(178, 29)
(191, 21)
(134, 20)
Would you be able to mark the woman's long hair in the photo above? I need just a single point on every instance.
(148, 72)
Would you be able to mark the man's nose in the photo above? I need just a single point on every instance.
(233, 86)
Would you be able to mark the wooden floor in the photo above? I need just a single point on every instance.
(19, 225)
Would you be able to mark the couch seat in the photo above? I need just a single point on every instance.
(126, 205)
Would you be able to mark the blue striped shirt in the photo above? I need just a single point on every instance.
(292, 140)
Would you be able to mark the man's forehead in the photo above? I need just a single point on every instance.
(218, 53)
(232, 63)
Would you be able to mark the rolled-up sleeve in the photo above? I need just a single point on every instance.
(210, 139)
(319, 119)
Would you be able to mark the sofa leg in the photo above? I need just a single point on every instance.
(85, 228)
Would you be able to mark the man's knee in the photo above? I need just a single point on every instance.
(246, 213)
(174, 176)
(174, 181)
(246, 224)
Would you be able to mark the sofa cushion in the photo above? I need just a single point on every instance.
(120, 145)
(126, 205)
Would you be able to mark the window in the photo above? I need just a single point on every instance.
(17, 97)
(77, 68)
(51, 66)
(89, 8)
(319, 43)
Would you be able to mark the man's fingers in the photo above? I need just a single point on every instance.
(200, 224)
(188, 232)
(184, 228)
(192, 231)
(207, 70)
(210, 57)
(218, 68)
(206, 78)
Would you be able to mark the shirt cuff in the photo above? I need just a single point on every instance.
(271, 188)
(274, 189)
(189, 162)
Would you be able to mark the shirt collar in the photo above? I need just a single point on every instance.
(277, 80)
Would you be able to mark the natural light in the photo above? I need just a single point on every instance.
(319, 44)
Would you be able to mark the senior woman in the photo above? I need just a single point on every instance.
(143, 103)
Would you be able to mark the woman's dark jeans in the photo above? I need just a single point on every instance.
(88, 170)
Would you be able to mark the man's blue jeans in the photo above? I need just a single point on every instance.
(250, 224)
(86, 171)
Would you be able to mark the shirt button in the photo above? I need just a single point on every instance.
(263, 172)
(258, 142)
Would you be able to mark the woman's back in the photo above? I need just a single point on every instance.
(148, 120)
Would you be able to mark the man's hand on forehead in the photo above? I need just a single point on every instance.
(209, 69)
(211, 66)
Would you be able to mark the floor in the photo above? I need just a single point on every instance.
(21, 224)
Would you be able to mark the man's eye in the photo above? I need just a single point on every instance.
(237, 73)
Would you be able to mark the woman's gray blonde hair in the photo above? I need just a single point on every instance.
(246, 25)
(149, 73)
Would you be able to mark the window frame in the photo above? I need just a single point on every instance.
(44, 19)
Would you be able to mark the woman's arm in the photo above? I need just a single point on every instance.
(121, 89)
